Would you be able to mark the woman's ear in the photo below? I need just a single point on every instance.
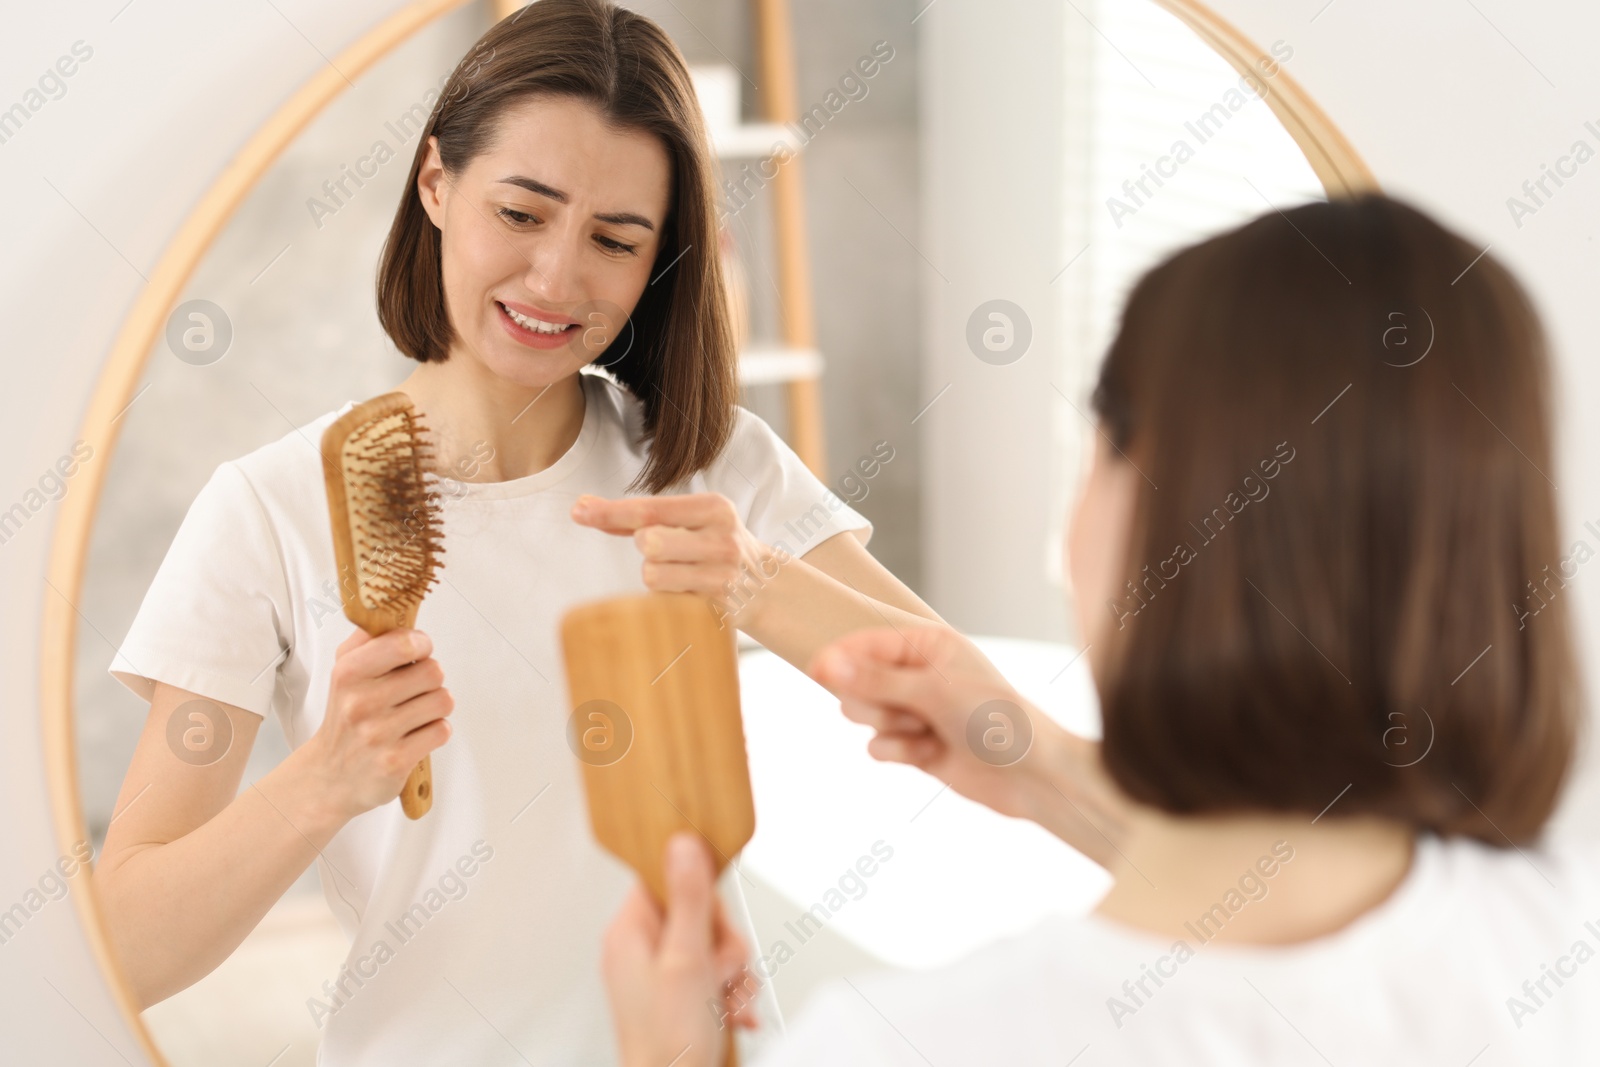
(430, 184)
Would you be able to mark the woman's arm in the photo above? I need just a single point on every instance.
(832, 590)
(697, 543)
(189, 868)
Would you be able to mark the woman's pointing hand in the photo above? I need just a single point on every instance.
(691, 543)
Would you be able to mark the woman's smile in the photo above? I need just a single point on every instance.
(536, 330)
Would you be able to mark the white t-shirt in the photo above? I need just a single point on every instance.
(1433, 975)
(475, 931)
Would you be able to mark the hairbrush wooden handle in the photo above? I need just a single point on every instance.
(653, 684)
(416, 796)
(385, 522)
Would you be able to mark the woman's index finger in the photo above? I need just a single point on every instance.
(691, 511)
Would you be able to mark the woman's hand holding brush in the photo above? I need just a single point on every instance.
(667, 970)
(387, 709)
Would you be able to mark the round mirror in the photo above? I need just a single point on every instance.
(1176, 127)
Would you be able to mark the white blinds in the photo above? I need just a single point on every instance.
(1148, 100)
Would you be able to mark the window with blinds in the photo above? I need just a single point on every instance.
(1166, 144)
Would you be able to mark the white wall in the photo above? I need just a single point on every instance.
(994, 126)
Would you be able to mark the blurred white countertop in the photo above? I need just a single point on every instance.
(959, 875)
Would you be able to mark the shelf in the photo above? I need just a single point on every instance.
(752, 140)
(768, 364)
(741, 146)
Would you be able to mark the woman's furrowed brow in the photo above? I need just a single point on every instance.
(539, 188)
(535, 186)
(625, 218)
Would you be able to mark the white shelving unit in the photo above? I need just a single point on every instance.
(792, 359)
(763, 363)
(772, 364)
(753, 140)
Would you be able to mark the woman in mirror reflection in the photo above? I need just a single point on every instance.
(1339, 701)
(553, 271)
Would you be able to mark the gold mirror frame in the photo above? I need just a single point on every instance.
(1332, 158)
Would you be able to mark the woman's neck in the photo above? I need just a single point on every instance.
(486, 429)
(1260, 879)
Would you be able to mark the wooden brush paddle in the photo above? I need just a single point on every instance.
(654, 687)
(387, 529)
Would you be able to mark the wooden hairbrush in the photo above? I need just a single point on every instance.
(387, 529)
(653, 682)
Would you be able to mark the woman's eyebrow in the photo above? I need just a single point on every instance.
(533, 185)
(625, 218)
(539, 188)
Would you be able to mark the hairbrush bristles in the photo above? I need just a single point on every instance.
(395, 519)
(391, 520)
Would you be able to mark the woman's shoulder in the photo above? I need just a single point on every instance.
(284, 475)
(1553, 878)
(753, 450)
(618, 408)
(1514, 894)
(619, 405)
(1556, 859)
(1475, 919)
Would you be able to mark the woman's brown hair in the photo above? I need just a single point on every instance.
(679, 357)
(1342, 588)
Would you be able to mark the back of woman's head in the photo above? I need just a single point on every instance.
(1344, 575)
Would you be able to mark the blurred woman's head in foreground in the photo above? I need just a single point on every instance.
(1316, 555)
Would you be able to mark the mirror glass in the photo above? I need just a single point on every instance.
(277, 325)
(1169, 143)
